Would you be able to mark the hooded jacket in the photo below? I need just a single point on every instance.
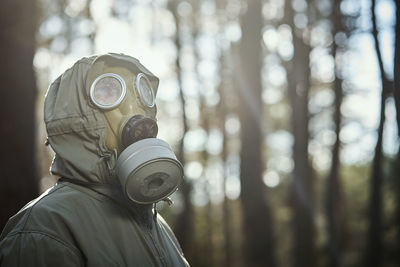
(84, 220)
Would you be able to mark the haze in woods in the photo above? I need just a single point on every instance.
(285, 114)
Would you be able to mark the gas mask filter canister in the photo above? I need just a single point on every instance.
(147, 168)
(149, 171)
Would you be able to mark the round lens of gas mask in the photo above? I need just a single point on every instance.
(108, 90)
(145, 90)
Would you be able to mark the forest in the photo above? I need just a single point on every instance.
(284, 113)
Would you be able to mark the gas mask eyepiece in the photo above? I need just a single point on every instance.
(108, 90)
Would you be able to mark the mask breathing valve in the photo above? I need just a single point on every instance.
(138, 127)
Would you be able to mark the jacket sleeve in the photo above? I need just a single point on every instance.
(37, 249)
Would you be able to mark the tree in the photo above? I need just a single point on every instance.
(258, 238)
(334, 201)
(396, 91)
(184, 226)
(374, 239)
(301, 195)
(17, 120)
(393, 176)
(396, 75)
(226, 218)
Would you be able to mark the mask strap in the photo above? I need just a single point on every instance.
(168, 200)
(111, 160)
(155, 212)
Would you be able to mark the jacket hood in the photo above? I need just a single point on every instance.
(76, 129)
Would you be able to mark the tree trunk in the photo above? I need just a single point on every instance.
(374, 239)
(334, 201)
(184, 226)
(301, 194)
(396, 72)
(226, 217)
(258, 238)
(223, 109)
(17, 41)
(396, 91)
(334, 193)
(209, 240)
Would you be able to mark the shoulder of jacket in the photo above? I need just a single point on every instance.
(19, 221)
(48, 216)
(39, 237)
(164, 225)
(49, 208)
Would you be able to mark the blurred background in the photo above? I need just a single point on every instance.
(285, 114)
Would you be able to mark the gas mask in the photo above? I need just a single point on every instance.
(125, 92)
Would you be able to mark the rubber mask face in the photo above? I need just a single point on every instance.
(121, 94)
(146, 166)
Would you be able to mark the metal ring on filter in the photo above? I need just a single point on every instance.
(118, 101)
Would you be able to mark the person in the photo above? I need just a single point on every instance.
(100, 118)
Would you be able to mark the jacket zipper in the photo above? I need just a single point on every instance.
(159, 251)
